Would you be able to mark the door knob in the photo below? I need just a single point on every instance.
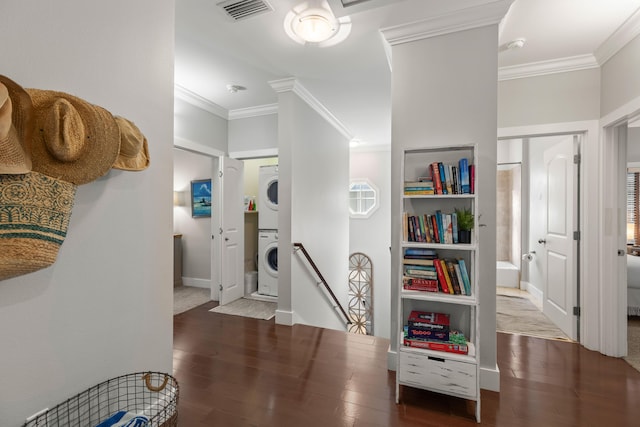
(542, 241)
(226, 239)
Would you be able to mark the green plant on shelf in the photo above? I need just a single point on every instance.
(465, 219)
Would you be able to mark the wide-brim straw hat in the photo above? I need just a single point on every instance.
(34, 217)
(134, 150)
(16, 127)
(74, 140)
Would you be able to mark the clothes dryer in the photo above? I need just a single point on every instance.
(268, 197)
(268, 262)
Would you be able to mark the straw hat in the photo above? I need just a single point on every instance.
(16, 125)
(134, 152)
(74, 140)
(34, 217)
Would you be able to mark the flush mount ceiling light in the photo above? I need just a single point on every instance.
(516, 44)
(316, 26)
(235, 88)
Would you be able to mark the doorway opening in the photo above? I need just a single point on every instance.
(537, 256)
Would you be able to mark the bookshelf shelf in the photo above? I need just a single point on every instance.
(437, 287)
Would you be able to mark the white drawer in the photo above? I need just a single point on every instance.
(438, 374)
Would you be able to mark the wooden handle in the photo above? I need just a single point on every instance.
(147, 379)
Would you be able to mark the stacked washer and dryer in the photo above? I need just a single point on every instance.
(268, 231)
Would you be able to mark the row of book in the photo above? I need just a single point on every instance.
(436, 228)
(423, 270)
(432, 331)
(453, 179)
(444, 179)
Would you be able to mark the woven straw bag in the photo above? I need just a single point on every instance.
(34, 217)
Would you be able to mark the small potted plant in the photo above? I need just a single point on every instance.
(465, 225)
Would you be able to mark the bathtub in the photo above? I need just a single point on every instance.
(507, 275)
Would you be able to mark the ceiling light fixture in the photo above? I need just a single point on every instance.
(516, 44)
(235, 88)
(317, 26)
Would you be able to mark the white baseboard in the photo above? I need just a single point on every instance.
(535, 292)
(490, 379)
(284, 317)
(198, 283)
(392, 357)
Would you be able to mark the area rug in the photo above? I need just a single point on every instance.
(248, 308)
(188, 297)
(633, 342)
(517, 315)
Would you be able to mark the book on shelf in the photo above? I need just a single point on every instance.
(448, 347)
(441, 280)
(445, 273)
(463, 166)
(472, 179)
(420, 252)
(463, 288)
(448, 228)
(465, 275)
(417, 261)
(454, 278)
(435, 177)
(443, 178)
(419, 284)
(454, 227)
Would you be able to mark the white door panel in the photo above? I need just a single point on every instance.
(559, 293)
(232, 226)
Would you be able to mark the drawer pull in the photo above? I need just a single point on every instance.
(437, 359)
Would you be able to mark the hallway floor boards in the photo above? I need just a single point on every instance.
(236, 371)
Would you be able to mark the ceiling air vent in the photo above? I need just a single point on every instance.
(242, 9)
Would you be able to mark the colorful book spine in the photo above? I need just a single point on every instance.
(463, 288)
(465, 275)
(435, 177)
(437, 346)
(443, 178)
(454, 227)
(463, 166)
(447, 279)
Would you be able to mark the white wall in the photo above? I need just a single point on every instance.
(196, 232)
(621, 78)
(197, 125)
(372, 235)
(443, 98)
(313, 190)
(105, 307)
(253, 134)
(552, 98)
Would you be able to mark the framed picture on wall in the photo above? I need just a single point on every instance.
(201, 198)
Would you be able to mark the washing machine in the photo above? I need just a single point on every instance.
(268, 197)
(268, 262)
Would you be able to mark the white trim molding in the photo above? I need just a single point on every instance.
(254, 154)
(616, 41)
(260, 110)
(450, 22)
(490, 378)
(196, 147)
(196, 100)
(541, 68)
(284, 317)
(291, 84)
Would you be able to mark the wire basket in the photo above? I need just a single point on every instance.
(152, 394)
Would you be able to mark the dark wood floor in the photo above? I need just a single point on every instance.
(236, 371)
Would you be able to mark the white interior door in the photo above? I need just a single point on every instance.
(560, 290)
(232, 230)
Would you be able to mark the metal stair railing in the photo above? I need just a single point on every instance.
(301, 247)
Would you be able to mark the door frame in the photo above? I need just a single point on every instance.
(614, 301)
(589, 263)
(216, 244)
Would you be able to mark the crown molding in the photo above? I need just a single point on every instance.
(293, 85)
(533, 69)
(260, 110)
(198, 101)
(619, 39)
(450, 22)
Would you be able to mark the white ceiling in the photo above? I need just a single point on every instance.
(352, 79)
